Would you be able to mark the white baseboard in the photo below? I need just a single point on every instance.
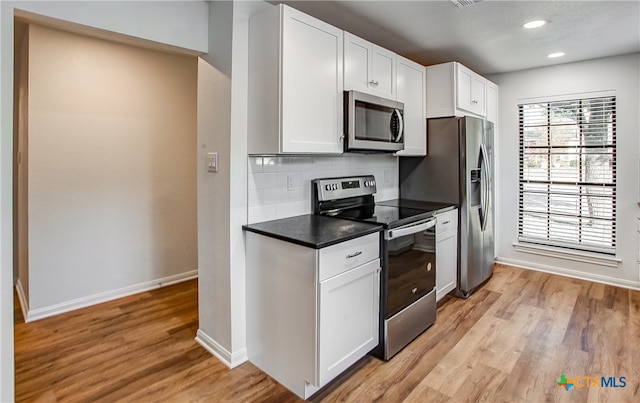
(229, 359)
(90, 300)
(598, 278)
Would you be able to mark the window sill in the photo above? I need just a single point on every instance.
(585, 257)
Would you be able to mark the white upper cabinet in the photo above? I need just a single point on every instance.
(295, 84)
(368, 67)
(455, 90)
(411, 92)
(492, 102)
(472, 91)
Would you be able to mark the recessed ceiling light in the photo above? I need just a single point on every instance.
(557, 54)
(534, 24)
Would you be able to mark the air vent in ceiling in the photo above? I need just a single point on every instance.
(465, 3)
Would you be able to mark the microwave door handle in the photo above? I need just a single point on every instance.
(400, 126)
(413, 229)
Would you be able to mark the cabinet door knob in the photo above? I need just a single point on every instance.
(373, 82)
(474, 102)
(351, 255)
(429, 266)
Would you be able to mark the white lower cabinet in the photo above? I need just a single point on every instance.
(446, 253)
(348, 318)
(311, 313)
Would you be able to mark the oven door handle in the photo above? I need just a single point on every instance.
(412, 229)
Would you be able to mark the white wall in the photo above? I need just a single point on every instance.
(222, 196)
(177, 23)
(6, 211)
(621, 74)
(20, 188)
(214, 127)
(112, 190)
(159, 21)
(269, 197)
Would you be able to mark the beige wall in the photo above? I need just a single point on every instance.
(181, 24)
(112, 169)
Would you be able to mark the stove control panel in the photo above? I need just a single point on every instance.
(344, 187)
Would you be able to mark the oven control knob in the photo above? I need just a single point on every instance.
(335, 186)
(366, 184)
(372, 183)
(328, 187)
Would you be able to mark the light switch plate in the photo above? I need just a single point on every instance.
(212, 162)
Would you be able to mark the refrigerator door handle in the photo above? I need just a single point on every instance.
(484, 178)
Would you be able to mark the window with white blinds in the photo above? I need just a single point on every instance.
(568, 174)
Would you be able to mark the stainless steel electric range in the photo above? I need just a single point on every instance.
(407, 297)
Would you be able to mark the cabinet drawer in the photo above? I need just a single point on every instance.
(347, 255)
(447, 221)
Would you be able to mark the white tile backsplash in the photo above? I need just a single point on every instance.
(269, 197)
(275, 164)
(265, 212)
(255, 164)
(262, 180)
(300, 164)
(255, 197)
(293, 208)
(274, 196)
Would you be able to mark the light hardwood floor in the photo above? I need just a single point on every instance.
(509, 342)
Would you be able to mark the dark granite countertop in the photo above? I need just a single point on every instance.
(313, 231)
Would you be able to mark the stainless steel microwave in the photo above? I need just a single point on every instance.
(372, 123)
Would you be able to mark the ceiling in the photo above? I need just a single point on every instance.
(488, 36)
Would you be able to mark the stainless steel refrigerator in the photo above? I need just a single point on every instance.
(458, 169)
